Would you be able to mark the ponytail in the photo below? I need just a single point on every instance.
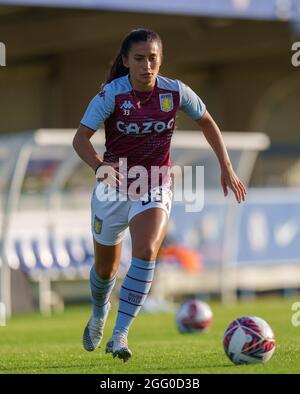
(118, 69)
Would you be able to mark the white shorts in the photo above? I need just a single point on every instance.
(110, 219)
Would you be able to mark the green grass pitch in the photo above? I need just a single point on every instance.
(35, 344)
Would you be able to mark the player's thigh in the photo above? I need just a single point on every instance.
(107, 259)
(109, 218)
(108, 225)
(148, 229)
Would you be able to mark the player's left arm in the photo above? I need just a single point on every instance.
(214, 137)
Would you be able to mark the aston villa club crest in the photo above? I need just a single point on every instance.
(97, 225)
(166, 102)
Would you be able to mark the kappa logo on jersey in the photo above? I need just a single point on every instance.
(127, 104)
(166, 102)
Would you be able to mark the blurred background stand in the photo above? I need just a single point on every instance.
(237, 56)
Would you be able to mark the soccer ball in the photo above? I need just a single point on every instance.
(249, 340)
(193, 316)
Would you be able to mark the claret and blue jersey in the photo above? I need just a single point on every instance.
(139, 125)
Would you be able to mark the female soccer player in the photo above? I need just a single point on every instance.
(138, 108)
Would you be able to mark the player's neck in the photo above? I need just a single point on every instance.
(140, 87)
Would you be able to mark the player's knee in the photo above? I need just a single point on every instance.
(146, 252)
(106, 275)
(107, 272)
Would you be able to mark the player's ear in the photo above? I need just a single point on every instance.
(125, 61)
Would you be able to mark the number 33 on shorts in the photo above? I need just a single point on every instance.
(160, 196)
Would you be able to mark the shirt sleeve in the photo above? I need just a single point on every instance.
(99, 109)
(190, 102)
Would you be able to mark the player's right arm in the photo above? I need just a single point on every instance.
(105, 172)
(99, 109)
(84, 148)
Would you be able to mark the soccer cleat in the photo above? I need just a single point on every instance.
(93, 332)
(118, 346)
(109, 346)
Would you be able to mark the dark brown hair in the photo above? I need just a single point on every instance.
(137, 35)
